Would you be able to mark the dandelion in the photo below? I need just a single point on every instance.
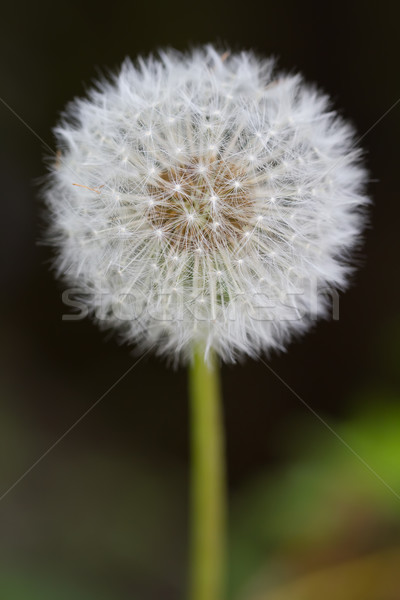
(200, 203)
(205, 201)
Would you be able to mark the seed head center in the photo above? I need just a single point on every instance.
(202, 205)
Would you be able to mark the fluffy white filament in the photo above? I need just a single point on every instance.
(205, 199)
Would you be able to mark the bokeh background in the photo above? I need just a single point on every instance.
(104, 514)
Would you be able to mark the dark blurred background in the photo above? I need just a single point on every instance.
(104, 514)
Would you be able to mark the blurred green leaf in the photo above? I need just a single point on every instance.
(24, 585)
(373, 577)
(327, 506)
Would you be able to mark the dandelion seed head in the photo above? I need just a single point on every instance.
(185, 183)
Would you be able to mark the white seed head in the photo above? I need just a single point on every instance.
(201, 199)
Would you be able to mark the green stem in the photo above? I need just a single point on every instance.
(208, 502)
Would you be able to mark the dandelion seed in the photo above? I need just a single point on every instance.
(184, 222)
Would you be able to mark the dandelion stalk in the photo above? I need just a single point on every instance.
(208, 506)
